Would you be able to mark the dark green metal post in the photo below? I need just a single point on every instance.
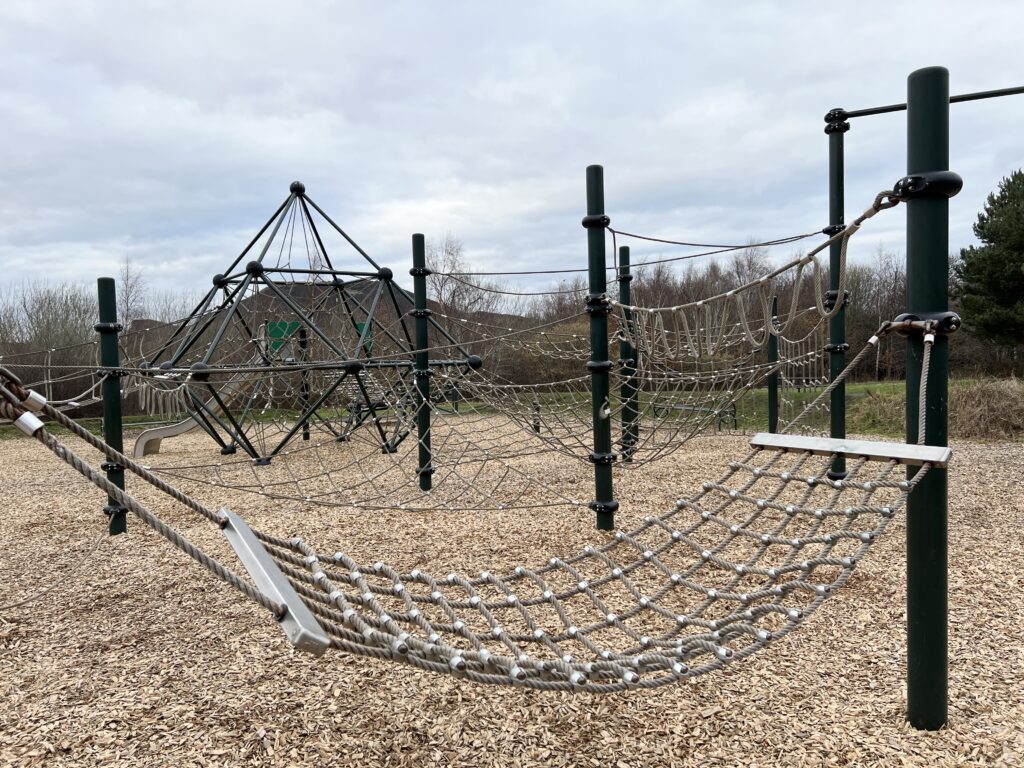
(599, 366)
(628, 361)
(927, 292)
(108, 328)
(773, 377)
(836, 126)
(419, 274)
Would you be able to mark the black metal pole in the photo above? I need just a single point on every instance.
(837, 346)
(108, 328)
(419, 274)
(599, 366)
(304, 385)
(958, 99)
(628, 362)
(927, 292)
(773, 377)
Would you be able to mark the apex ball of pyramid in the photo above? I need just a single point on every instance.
(297, 188)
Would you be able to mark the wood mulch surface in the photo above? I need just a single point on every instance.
(137, 657)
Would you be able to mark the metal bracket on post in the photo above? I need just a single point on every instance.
(933, 184)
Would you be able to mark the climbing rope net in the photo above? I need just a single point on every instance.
(741, 562)
(306, 384)
(713, 579)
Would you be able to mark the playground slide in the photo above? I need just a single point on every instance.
(149, 441)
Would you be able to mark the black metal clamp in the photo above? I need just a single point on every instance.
(932, 184)
(836, 121)
(112, 373)
(598, 305)
(830, 299)
(603, 458)
(942, 323)
(595, 221)
(108, 327)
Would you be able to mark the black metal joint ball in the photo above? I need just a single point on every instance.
(219, 280)
(475, 362)
(200, 371)
(254, 268)
(385, 274)
(297, 188)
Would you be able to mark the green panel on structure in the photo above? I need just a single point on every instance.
(280, 330)
(368, 345)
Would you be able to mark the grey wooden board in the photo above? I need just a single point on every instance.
(298, 623)
(904, 453)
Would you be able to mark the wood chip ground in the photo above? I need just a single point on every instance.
(136, 657)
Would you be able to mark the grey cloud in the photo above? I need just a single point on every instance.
(169, 131)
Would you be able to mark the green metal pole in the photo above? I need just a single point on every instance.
(627, 354)
(773, 377)
(837, 347)
(927, 292)
(108, 328)
(419, 274)
(598, 307)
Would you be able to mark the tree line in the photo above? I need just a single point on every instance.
(986, 286)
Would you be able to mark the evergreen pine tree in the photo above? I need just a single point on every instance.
(991, 276)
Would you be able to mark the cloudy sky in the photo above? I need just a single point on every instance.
(166, 132)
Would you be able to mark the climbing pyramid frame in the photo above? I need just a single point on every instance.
(296, 339)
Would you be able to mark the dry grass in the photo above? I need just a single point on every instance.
(987, 409)
(136, 657)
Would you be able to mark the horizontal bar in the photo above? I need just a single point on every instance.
(904, 453)
(952, 100)
(298, 623)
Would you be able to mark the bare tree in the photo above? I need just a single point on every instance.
(131, 293)
(452, 284)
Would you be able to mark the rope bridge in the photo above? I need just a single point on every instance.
(741, 562)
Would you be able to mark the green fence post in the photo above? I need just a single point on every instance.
(628, 362)
(108, 328)
(836, 126)
(773, 377)
(598, 308)
(927, 292)
(419, 274)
